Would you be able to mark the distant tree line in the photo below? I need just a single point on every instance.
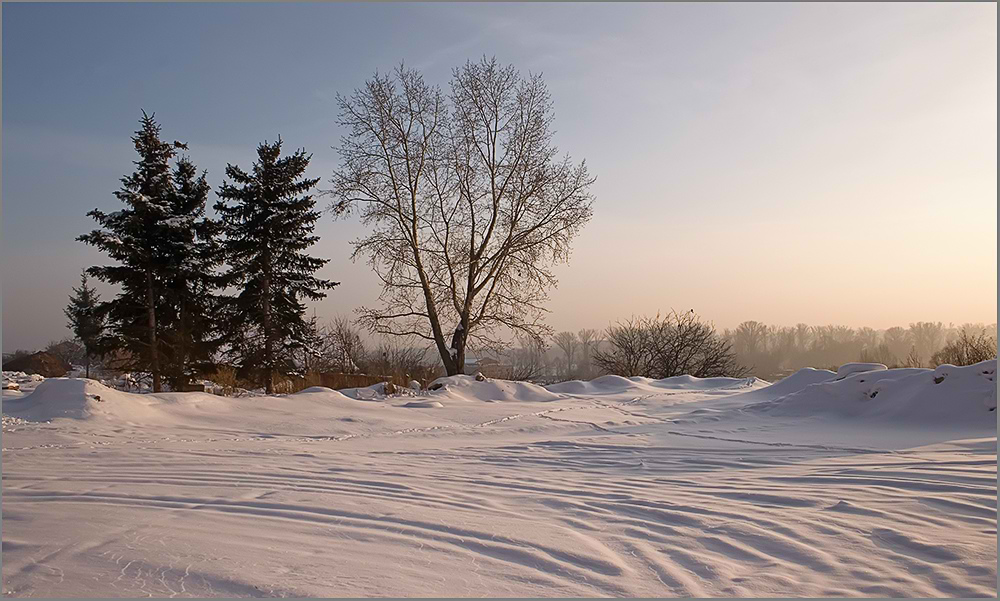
(680, 343)
(771, 351)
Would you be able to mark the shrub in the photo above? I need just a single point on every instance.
(967, 349)
(225, 377)
(661, 347)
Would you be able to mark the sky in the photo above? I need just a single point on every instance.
(816, 163)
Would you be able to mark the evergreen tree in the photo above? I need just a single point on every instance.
(267, 226)
(192, 278)
(133, 237)
(311, 343)
(85, 320)
(166, 254)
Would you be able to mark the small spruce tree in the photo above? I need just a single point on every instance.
(86, 320)
(268, 218)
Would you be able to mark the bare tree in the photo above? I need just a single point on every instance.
(927, 337)
(568, 343)
(803, 336)
(68, 350)
(898, 340)
(469, 204)
(527, 359)
(750, 338)
(879, 354)
(344, 348)
(868, 338)
(589, 339)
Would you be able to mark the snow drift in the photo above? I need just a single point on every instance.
(78, 399)
(509, 489)
(946, 396)
(616, 384)
(807, 376)
(489, 390)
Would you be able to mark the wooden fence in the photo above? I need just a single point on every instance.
(338, 381)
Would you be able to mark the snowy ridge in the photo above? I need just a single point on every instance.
(469, 389)
(932, 398)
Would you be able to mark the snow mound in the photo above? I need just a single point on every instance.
(375, 392)
(469, 389)
(693, 383)
(805, 377)
(18, 383)
(423, 404)
(315, 389)
(320, 394)
(78, 399)
(20, 377)
(603, 384)
(946, 396)
(617, 384)
(855, 368)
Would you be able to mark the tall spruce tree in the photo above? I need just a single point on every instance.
(266, 229)
(192, 279)
(164, 247)
(134, 238)
(85, 319)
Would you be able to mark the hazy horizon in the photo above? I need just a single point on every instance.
(816, 164)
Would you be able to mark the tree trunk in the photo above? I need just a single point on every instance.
(432, 314)
(266, 307)
(182, 348)
(458, 348)
(450, 365)
(460, 361)
(154, 350)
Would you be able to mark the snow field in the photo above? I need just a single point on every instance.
(615, 487)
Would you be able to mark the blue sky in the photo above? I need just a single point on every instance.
(786, 163)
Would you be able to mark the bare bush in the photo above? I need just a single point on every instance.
(393, 357)
(673, 345)
(913, 358)
(339, 347)
(967, 349)
(630, 352)
(225, 378)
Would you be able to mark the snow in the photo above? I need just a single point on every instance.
(855, 368)
(605, 384)
(864, 483)
(944, 397)
(467, 388)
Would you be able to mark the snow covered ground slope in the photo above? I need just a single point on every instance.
(875, 483)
